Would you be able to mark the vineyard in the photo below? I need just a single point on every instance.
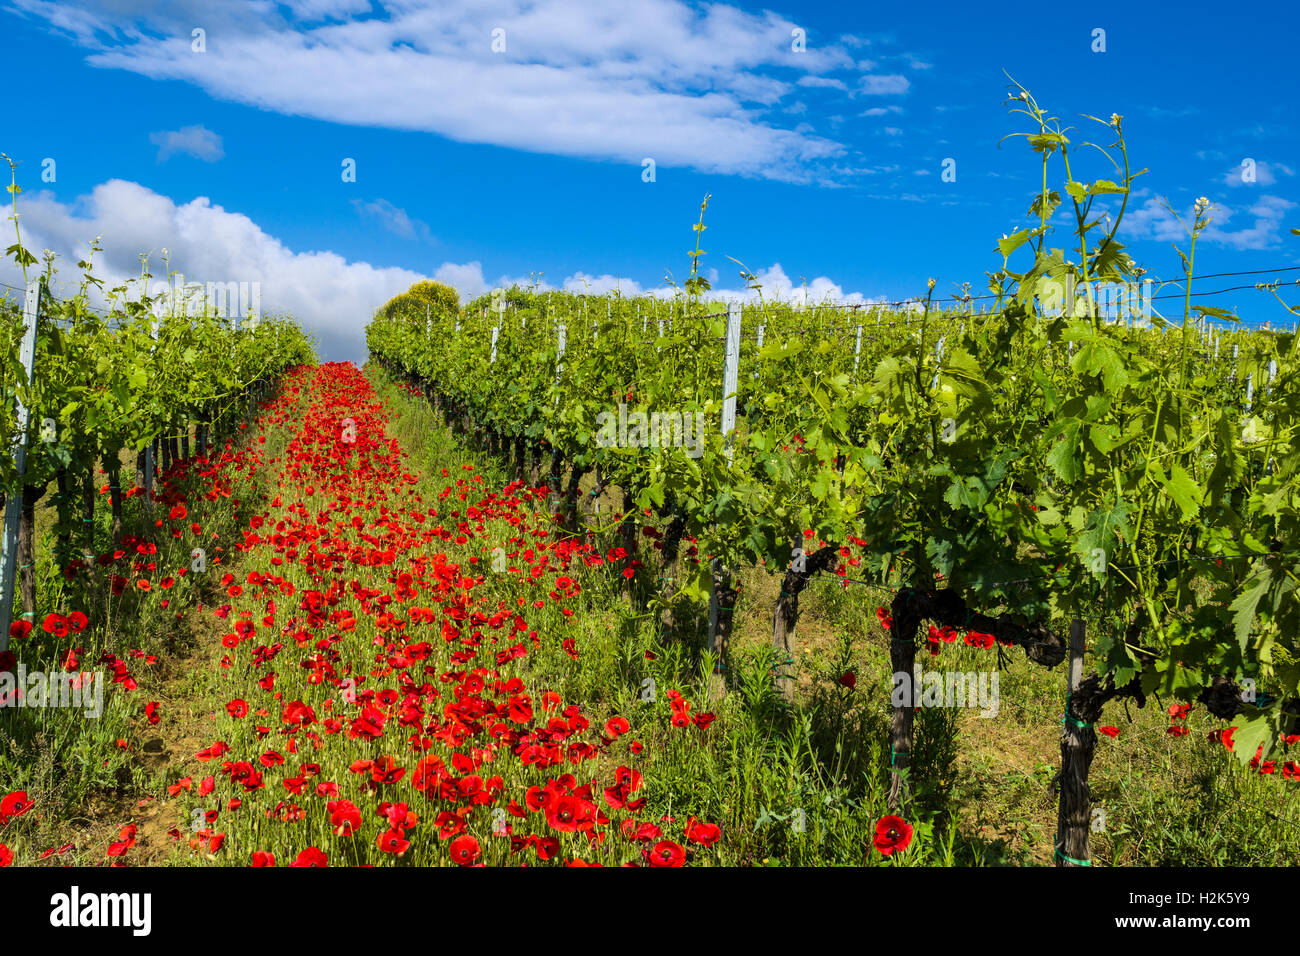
(657, 580)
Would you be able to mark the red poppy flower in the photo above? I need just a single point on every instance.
(237, 708)
(392, 841)
(849, 679)
(19, 629)
(6, 855)
(126, 841)
(77, 622)
(667, 853)
(893, 834)
(1224, 737)
(464, 849)
(705, 834)
(569, 814)
(261, 858)
(178, 513)
(298, 713)
(55, 624)
(311, 857)
(1109, 731)
(15, 805)
(945, 634)
(345, 817)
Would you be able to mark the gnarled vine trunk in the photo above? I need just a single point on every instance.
(785, 616)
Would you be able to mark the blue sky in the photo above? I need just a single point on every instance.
(479, 166)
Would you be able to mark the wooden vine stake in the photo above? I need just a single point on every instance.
(14, 500)
(1078, 741)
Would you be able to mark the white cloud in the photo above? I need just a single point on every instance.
(196, 141)
(599, 285)
(823, 81)
(393, 218)
(887, 84)
(312, 10)
(687, 85)
(328, 294)
(1152, 220)
(881, 110)
(1264, 233)
(1265, 173)
(777, 286)
(467, 278)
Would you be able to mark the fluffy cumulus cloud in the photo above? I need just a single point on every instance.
(702, 86)
(1265, 228)
(1258, 225)
(777, 286)
(332, 297)
(196, 141)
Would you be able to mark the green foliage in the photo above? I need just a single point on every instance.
(441, 298)
(1046, 462)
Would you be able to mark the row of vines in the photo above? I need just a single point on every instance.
(1003, 473)
(126, 381)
